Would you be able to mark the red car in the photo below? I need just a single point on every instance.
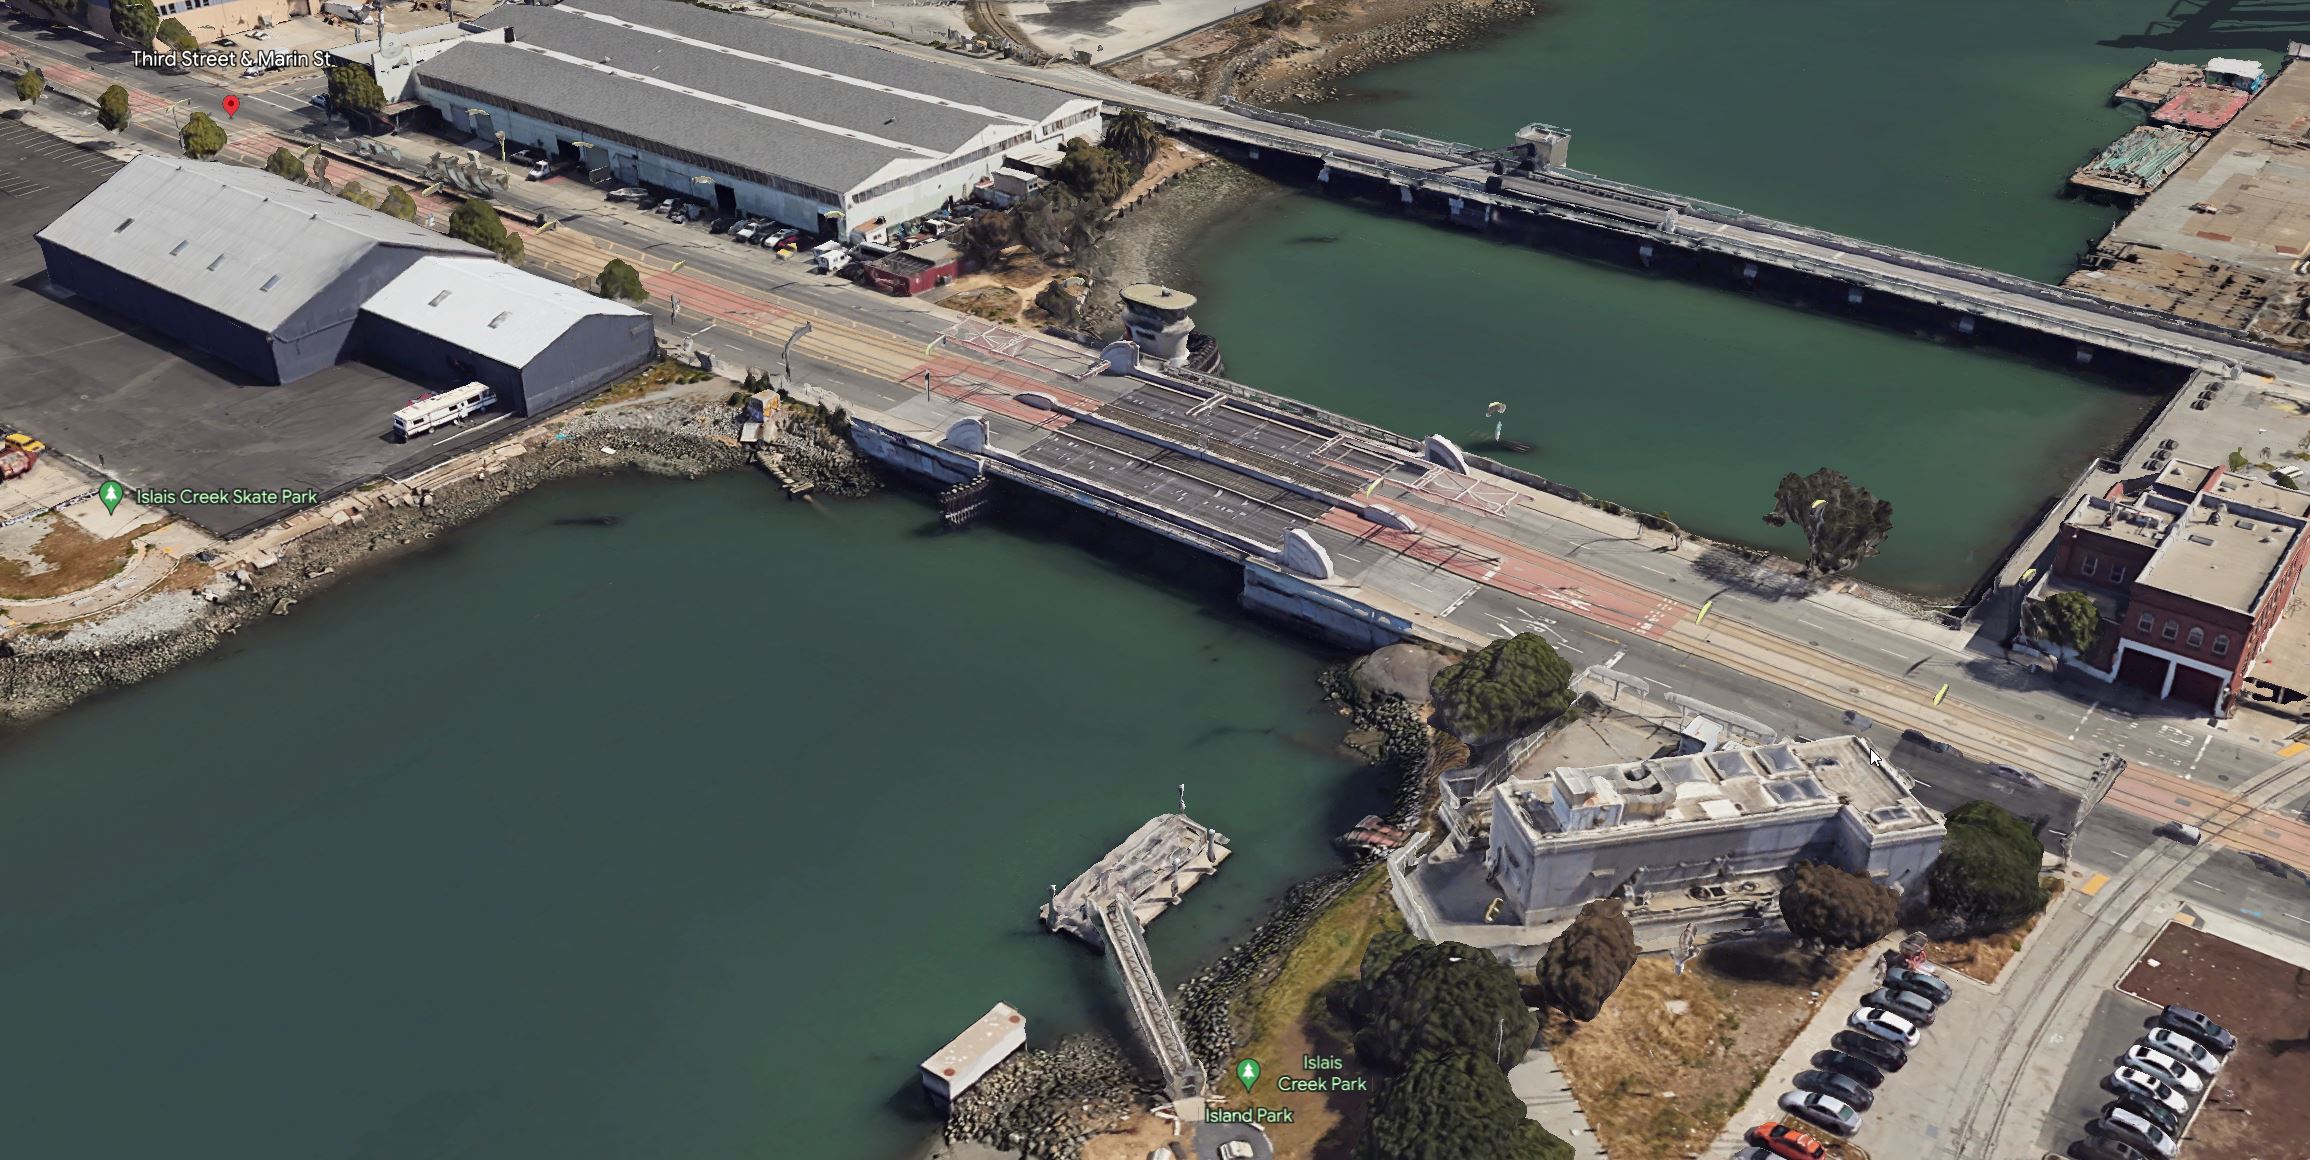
(1785, 1141)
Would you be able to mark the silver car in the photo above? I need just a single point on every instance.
(2183, 1048)
(1882, 1024)
(1825, 1112)
(2135, 1082)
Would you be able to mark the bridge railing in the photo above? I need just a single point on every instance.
(1150, 1007)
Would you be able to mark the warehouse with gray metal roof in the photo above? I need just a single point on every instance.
(283, 280)
(746, 114)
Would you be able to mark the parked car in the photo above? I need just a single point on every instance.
(1916, 1007)
(1752, 1153)
(632, 193)
(1884, 1025)
(829, 258)
(1236, 1150)
(2134, 1130)
(2133, 1081)
(743, 233)
(1844, 1087)
(2158, 1114)
(546, 167)
(227, 42)
(2195, 1025)
(721, 225)
(258, 34)
(1889, 1056)
(649, 202)
(1827, 1112)
(2184, 1048)
(2016, 774)
(2105, 1148)
(1786, 1142)
(2182, 1076)
(319, 101)
(1920, 982)
(1849, 1064)
(1913, 735)
(253, 71)
(782, 236)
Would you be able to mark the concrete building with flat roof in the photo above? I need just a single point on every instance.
(967, 1059)
(1563, 838)
(750, 115)
(2191, 569)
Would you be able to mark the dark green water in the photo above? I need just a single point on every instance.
(687, 837)
(1945, 127)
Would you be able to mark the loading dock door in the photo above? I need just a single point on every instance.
(725, 198)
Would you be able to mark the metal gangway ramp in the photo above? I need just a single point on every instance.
(1151, 1011)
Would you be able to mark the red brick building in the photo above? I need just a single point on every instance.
(2192, 568)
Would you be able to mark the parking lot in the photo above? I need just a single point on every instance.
(2255, 1107)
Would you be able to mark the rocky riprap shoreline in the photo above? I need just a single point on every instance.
(1049, 1102)
(1437, 27)
(44, 671)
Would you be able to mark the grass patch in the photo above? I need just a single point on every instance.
(662, 373)
(1672, 1057)
(1296, 1013)
(77, 560)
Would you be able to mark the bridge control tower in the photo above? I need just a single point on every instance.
(1156, 319)
(1543, 146)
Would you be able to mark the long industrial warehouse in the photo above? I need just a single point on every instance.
(756, 116)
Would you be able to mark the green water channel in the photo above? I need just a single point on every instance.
(687, 837)
(1943, 127)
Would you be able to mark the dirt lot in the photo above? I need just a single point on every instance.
(2256, 1107)
(1671, 1057)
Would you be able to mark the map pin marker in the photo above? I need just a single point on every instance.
(1247, 1071)
(232, 106)
(110, 494)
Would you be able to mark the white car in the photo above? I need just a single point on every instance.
(254, 70)
(1882, 1024)
(2184, 1048)
(2163, 1066)
(1236, 1150)
(2140, 1084)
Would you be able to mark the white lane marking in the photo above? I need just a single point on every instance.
(2082, 720)
(2201, 751)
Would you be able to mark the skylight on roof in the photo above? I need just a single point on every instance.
(271, 282)
(501, 317)
(437, 298)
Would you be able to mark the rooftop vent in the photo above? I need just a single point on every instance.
(271, 282)
(179, 247)
(219, 260)
(501, 317)
(124, 224)
(2198, 539)
(437, 298)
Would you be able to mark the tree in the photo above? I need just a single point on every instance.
(620, 281)
(1833, 908)
(1055, 222)
(112, 109)
(354, 192)
(1584, 965)
(1096, 173)
(2069, 619)
(284, 163)
(1842, 522)
(1987, 874)
(1454, 1106)
(203, 138)
(1438, 998)
(30, 84)
(983, 239)
(398, 203)
(1503, 689)
(174, 34)
(476, 221)
(135, 21)
(1134, 137)
(353, 89)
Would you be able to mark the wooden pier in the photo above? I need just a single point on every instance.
(1152, 870)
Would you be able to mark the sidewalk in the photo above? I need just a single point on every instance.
(1548, 1099)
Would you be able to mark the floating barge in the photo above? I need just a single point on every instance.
(971, 1055)
(1154, 868)
(2202, 107)
(2157, 84)
(2138, 162)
